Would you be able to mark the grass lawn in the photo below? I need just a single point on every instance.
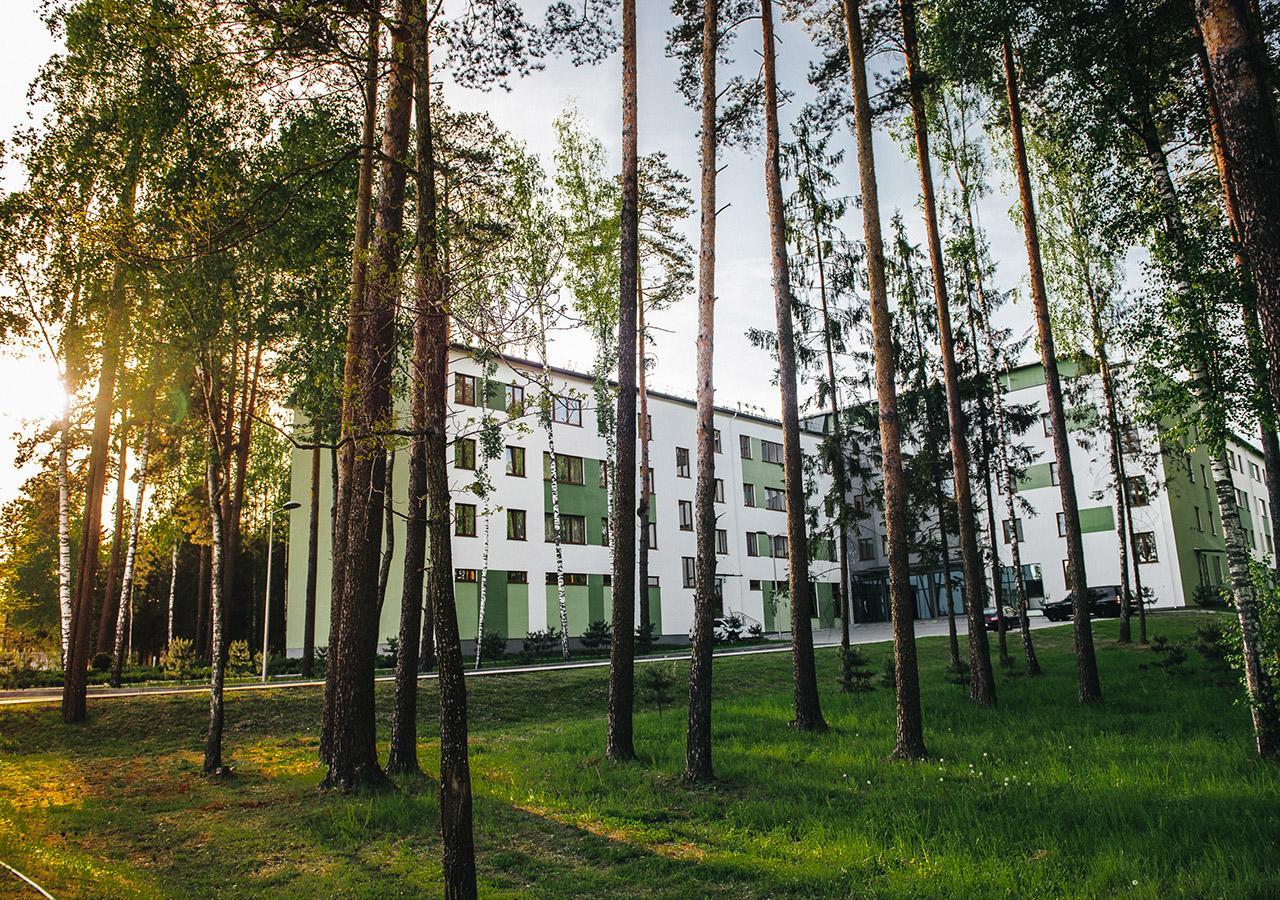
(1155, 793)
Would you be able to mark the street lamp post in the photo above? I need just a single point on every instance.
(266, 600)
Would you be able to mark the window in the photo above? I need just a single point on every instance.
(1053, 473)
(567, 411)
(1144, 546)
(513, 399)
(604, 531)
(686, 567)
(682, 462)
(569, 469)
(1241, 500)
(1066, 572)
(467, 576)
(866, 550)
(831, 551)
(515, 461)
(1046, 425)
(722, 541)
(719, 490)
(884, 545)
(1253, 471)
(573, 529)
(514, 577)
(645, 426)
(1129, 438)
(517, 525)
(779, 546)
(1011, 527)
(604, 474)
(1137, 493)
(744, 446)
(464, 453)
(771, 452)
(753, 584)
(753, 544)
(653, 581)
(464, 389)
(464, 520)
(1062, 526)
(571, 579)
(1191, 471)
(715, 439)
(1032, 582)
(748, 494)
(1204, 475)
(860, 503)
(775, 499)
(686, 515)
(1199, 520)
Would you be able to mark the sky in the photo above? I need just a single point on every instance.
(743, 375)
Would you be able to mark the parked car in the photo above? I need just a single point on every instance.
(1104, 603)
(993, 622)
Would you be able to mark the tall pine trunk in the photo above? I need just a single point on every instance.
(619, 744)
(698, 765)
(982, 688)
(352, 756)
(388, 530)
(808, 709)
(355, 330)
(124, 613)
(646, 484)
(1241, 72)
(909, 743)
(1090, 688)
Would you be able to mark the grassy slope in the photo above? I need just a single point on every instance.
(1153, 794)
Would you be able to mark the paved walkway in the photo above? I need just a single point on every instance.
(872, 633)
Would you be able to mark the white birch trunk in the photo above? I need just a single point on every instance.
(173, 592)
(64, 535)
(555, 501)
(484, 584)
(131, 555)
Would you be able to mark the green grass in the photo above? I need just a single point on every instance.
(1155, 793)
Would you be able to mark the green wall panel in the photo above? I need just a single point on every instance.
(1036, 476)
(578, 603)
(1097, 518)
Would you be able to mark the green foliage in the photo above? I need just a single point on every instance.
(241, 663)
(179, 659)
(493, 646)
(657, 684)
(645, 638)
(101, 662)
(541, 642)
(888, 673)
(599, 634)
(855, 670)
(729, 629)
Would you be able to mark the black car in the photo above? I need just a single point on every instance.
(992, 621)
(1104, 603)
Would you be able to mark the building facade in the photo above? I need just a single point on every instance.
(1177, 526)
(512, 519)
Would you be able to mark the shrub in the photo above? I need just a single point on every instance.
(241, 662)
(856, 671)
(645, 638)
(657, 684)
(1172, 653)
(102, 662)
(889, 675)
(1212, 644)
(1210, 595)
(729, 630)
(493, 646)
(598, 634)
(540, 643)
(756, 631)
(179, 659)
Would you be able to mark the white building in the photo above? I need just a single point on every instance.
(521, 594)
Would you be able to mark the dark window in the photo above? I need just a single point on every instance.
(1010, 526)
(682, 462)
(686, 515)
(722, 541)
(753, 544)
(464, 453)
(1045, 424)
(1137, 493)
(753, 584)
(1062, 526)
(604, 531)
(1053, 473)
(653, 581)
(569, 469)
(859, 503)
(686, 566)
(771, 452)
(464, 389)
(1144, 546)
(651, 536)
(567, 410)
(715, 436)
(719, 490)
(775, 499)
(515, 461)
(469, 576)
(514, 577)
(604, 474)
(516, 525)
(744, 446)
(573, 529)
(780, 546)
(513, 399)
(748, 494)
(464, 519)
(866, 550)
(571, 579)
